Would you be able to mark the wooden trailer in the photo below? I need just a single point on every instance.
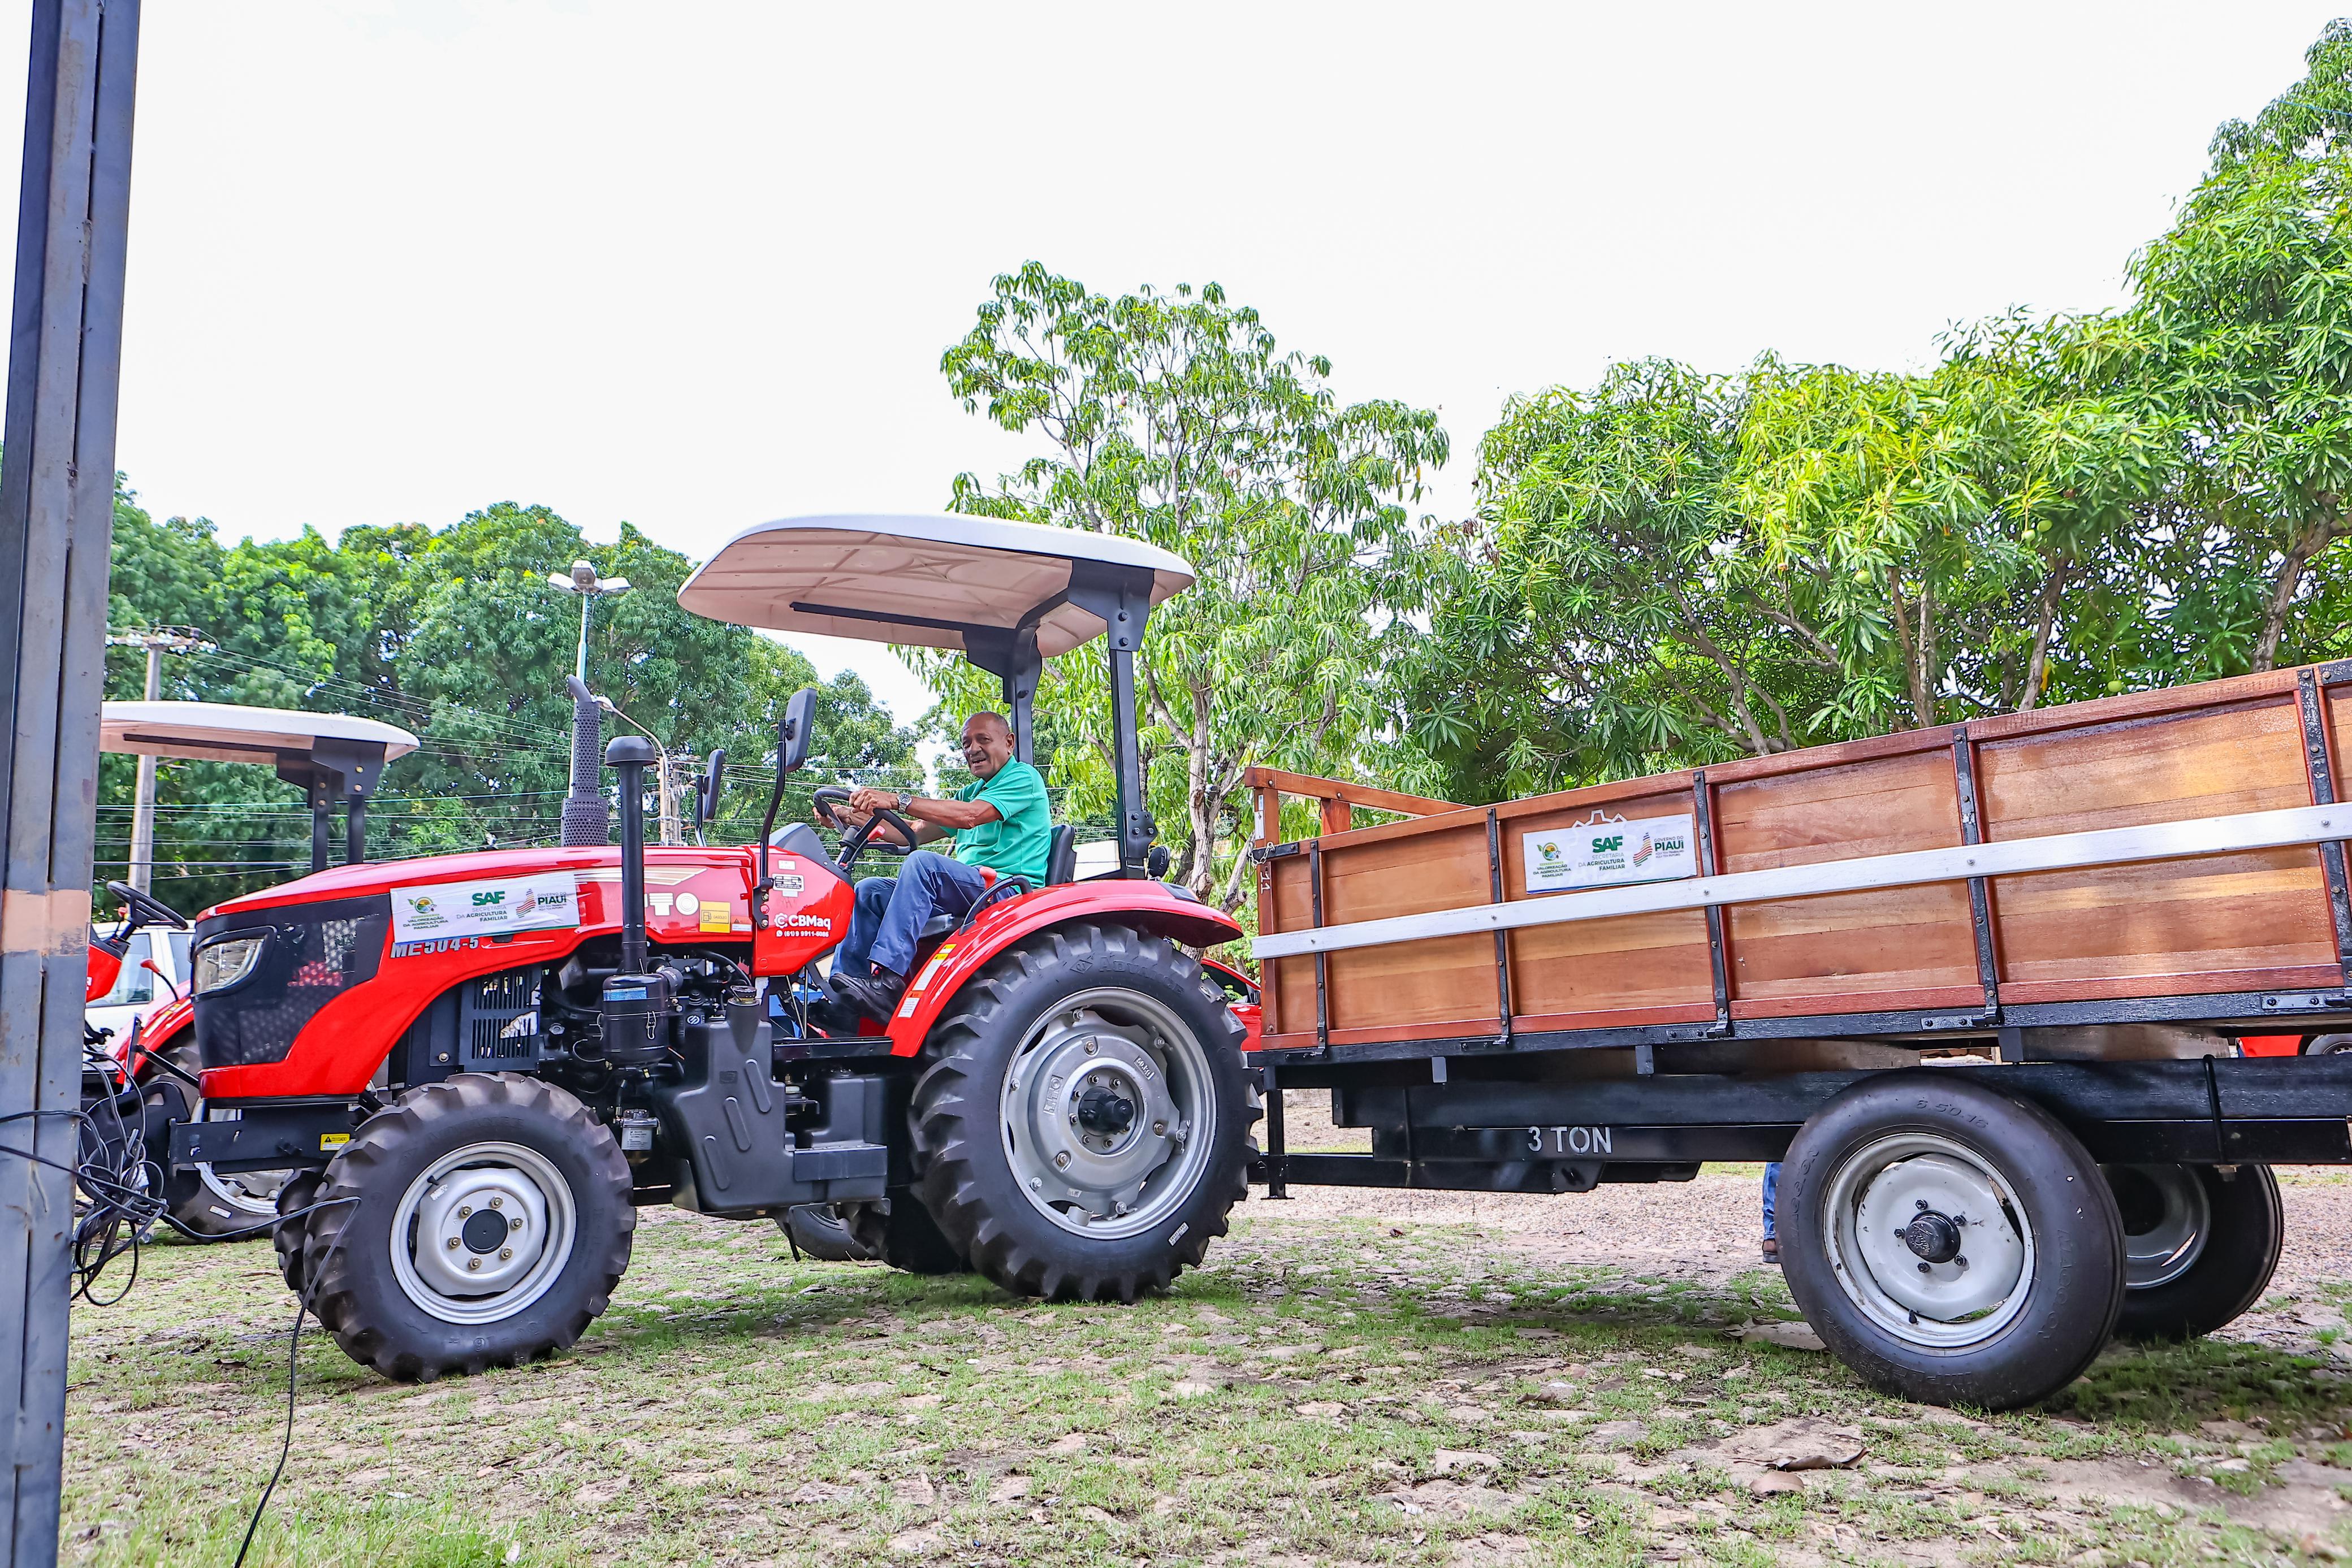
(1983, 965)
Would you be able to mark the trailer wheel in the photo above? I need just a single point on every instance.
(901, 1232)
(1952, 1245)
(1084, 1126)
(2200, 1243)
(492, 1222)
(301, 1190)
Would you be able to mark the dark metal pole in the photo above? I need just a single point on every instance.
(57, 518)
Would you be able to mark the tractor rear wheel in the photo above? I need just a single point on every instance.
(1084, 1126)
(901, 1232)
(492, 1222)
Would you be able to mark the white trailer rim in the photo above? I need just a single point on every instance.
(1925, 1237)
(2174, 1226)
(442, 1253)
(1108, 1177)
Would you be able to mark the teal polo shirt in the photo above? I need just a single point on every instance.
(1018, 841)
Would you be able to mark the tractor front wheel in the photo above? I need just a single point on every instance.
(480, 1222)
(1084, 1126)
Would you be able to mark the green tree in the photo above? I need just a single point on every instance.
(1175, 419)
(2241, 334)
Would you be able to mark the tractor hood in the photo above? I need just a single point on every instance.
(378, 877)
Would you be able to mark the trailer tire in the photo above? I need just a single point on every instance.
(901, 1232)
(2201, 1243)
(1886, 1192)
(1127, 1030)
(301, 1190)
(433, 1177)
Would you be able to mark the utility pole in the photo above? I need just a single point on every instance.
(57, 520)
(143, 812)
(584, 820)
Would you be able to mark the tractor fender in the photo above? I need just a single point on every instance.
(1150, 906)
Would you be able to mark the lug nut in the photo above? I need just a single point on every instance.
(473, 1265)
(1922, 1203)
(453, 1244)
(497, 1203)
(1961, 1261)
(1093, 1046)
(505, 1253)
(1062, 1160)
(463, 1209)
(1923, 1266)
(515, 1224)
(1159, 1126)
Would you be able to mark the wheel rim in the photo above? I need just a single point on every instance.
(1925, 1237)
(444, 1252)
(248, 1195)
(2167, 1219)
(1108, 1113)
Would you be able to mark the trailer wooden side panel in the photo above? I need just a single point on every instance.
(2223, 923)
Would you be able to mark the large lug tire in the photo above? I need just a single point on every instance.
(1083, 1125)
(301, 1190)
(818, 1230)
(901, 1232)
(2200, 1243)
(1951, 1245)
(492, 1222)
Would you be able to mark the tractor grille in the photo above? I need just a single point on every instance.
(314, 954)
(498, 1019)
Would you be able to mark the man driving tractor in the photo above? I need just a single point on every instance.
(1001, 823)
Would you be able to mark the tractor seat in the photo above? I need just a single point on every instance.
(1062, 855)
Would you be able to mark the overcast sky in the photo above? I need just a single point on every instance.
(693, 267)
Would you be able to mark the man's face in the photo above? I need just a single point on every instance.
(987, 746)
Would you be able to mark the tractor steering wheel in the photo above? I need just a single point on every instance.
(825, 802)
(143, 910)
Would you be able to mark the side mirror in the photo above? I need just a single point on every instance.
(792, 731)
(706, 797)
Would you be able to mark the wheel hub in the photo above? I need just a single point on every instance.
(1922, 1240)
(1106, 1113)
(482, 1233)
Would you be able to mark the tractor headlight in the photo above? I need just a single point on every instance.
(220, 965)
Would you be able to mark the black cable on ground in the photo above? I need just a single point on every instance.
(293, 1353)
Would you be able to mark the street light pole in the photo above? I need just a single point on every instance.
(584, 818)
(143, 810)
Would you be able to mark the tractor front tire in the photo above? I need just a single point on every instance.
(301, 1190)
(901, 1232)
(1083, 1125)
(484, 1220)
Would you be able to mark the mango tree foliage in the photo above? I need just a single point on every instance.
(2241, 335)
(452, 634)
(1175, 419)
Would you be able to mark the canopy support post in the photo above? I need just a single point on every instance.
(1121, 598)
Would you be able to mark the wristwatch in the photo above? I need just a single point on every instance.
(906, 802)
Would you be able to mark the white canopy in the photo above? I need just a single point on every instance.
(226, 732)
(917, 580)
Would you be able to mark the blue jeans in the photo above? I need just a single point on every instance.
(1771, 1192)
(891, 911)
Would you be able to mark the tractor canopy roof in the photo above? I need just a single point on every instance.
(226, 732)
(966, 583)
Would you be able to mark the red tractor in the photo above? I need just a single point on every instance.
(482, 1063)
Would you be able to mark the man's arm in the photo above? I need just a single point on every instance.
(933, 819)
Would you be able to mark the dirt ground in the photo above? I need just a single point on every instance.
(1353, 1378)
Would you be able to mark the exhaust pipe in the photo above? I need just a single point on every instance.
(636, 1002)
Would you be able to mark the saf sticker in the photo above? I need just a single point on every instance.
(1608, 853)
(548, 901)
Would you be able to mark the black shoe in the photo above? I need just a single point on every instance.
(876, 997)
(833, 1016)
(1772, 1251)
